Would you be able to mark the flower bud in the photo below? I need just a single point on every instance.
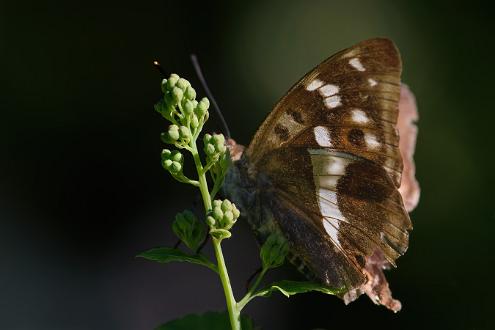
(228, 216)
(214, 146)
(176, 156)
(224, 214)
(171, 81)
(166, 154)
(188, 107)
(236, 212)
(217, 213)
(194, 121)
(167, 164)
(274, 251)
(210, 221)
(173, 132)
(206, 102)
(210, 149)
(190, 93)
(203, 105)
(226, 205)
(177, 94)
(218, 138)
(219, 141)
(185, 133)
(164, 85)
(176, 167)
(183, 84)
(172, 160)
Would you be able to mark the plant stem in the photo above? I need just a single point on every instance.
(252, 289)
(234, 312)
(203, 184)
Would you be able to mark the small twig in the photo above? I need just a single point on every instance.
(251, 278)
(216, 187)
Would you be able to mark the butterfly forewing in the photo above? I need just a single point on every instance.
(328, 165)
(349, 103)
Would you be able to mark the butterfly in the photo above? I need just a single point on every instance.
(324, 170)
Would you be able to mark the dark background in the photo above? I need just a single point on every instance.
(82, 190)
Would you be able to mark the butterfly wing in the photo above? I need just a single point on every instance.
(352, 97)
(327, 163)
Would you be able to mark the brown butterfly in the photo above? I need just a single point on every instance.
(324, 170)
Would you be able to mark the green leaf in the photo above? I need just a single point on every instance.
(165, 255)
(274, 250)
(206, 321)
(290, 288)
(189, 229)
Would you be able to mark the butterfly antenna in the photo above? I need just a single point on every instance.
(201, 78)
(157, 65)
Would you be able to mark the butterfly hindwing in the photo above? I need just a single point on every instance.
(326, 161)
(346, 205)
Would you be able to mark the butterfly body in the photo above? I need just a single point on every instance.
(324, 168)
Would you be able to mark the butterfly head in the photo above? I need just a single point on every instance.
(236, 150)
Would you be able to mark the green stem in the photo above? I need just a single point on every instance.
(234, 312)
(207, 167)
(217, 185)
(203, 184)
(250, 295)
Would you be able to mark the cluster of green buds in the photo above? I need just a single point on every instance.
(222, 217)
(172, 161)
(189, 229)
(177, 135)
(217, 158)
(214, 146)
(274, 251)
(180, 107)
(186, 116)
